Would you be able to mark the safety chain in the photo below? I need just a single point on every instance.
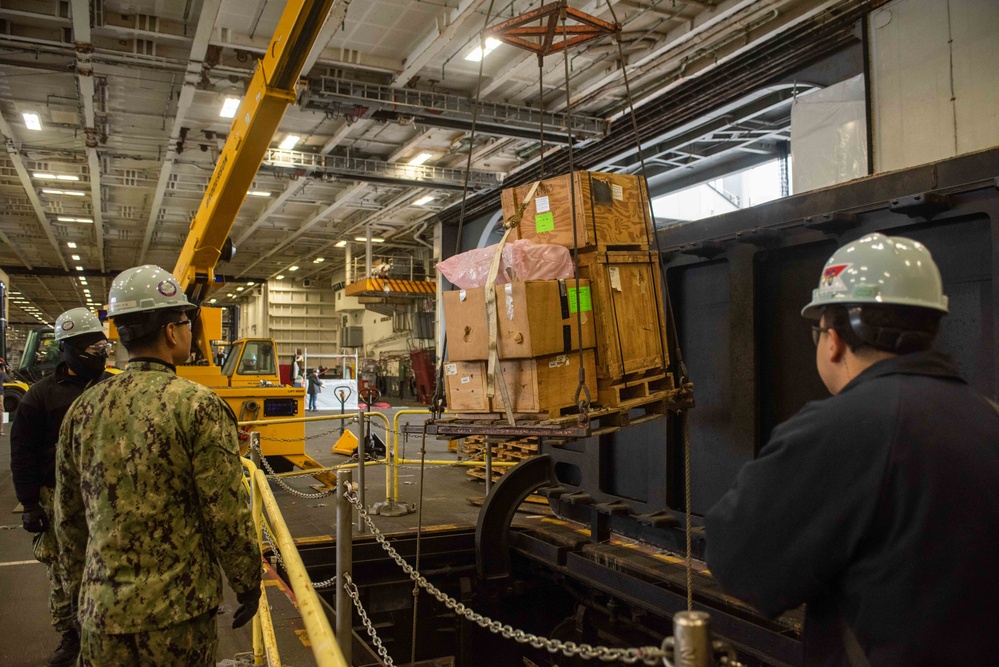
(319, 585)
(284, 485)
(346, 422)
(649, 655)
(356, 597)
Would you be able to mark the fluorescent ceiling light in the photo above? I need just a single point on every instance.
(229, 107)
(31, 121)
(79, 268)
(56, 177)
(426, 199)
(361, 239)
(212, 300)
(68, 193)
(476, 55)
(420, 159)
(240, 289)
(229, 295)
(340, 244)
(250, 284)
(289, 142)
(83, 220)
(70, 244)
(76, 258)
(293, 268)
(319, 260)
(259, 193)
(281, 277)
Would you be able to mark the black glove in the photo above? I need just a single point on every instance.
(248, 603)
(34, 519)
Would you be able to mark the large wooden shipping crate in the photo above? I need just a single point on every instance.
(543, 385)
(534, 318)
(612, 211)
(626, 289)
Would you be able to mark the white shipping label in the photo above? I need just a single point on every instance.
(462, 295)
(617, 192)
(508, 291)
(541, 204)
(466, 380)
(615, 278)
(450, 369)
(560, 360)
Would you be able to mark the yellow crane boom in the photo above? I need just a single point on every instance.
(271, 90)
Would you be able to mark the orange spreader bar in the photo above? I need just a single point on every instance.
(382, 286)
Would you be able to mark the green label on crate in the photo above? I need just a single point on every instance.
(544, 222)
(584, 299)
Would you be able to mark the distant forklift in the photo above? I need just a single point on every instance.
(39, 359)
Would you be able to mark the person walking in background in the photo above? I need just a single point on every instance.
(33, 437)
(314, 388)
(149, 495)
(298, 369)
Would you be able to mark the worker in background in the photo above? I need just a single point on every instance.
(149, 495)
(298, 369)
(876, 507)
(33, 437)
(314, 388)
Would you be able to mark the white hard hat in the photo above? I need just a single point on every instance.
(146, 288)
(76, 322)
(879, 269)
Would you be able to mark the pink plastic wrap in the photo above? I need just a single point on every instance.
(521, 260)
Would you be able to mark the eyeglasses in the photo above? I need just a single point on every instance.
(100, 347)
(180, 323)
(817, 333)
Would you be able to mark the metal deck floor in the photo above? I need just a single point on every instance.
(27, 637)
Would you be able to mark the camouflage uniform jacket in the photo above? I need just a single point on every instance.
(149, 496)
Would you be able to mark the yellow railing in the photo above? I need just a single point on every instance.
(324, 647)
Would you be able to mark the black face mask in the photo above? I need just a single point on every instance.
(88, 366)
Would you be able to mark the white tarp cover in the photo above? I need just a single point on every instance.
(829, 136)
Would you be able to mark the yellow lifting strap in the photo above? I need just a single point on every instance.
(491, 310)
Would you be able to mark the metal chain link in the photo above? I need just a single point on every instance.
(356, 597)
(346, 422)
(648, 655)
(284, 485)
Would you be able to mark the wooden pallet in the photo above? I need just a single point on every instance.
(613, 394)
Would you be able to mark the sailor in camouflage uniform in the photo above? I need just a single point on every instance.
(149, 494)
(84, 349)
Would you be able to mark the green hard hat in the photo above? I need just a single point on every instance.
(76, 322)
(146, 288)
(889, 270)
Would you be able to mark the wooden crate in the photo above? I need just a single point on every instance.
(631, 322)
(542, 385)
(612, 211)
(545, 384)
(535, 318)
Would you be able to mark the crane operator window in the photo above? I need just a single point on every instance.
(257, 359)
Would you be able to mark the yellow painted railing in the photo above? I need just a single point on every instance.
(317, 627)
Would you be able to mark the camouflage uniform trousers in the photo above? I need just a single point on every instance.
(46, 551)
(188, 644)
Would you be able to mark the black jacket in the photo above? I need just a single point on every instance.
(35, 431)
(879, 508)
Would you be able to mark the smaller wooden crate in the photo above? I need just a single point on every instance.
(626, 290)
(612, 211)
(542, 385)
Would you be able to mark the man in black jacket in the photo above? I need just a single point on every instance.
(877, 507)
(33, 438)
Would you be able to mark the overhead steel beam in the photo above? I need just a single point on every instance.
(293, 189)
(80, 10)
(447, 110)
(342, 200)
(433, 43)
(29, 188)
(202, 35)
(377, 171)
